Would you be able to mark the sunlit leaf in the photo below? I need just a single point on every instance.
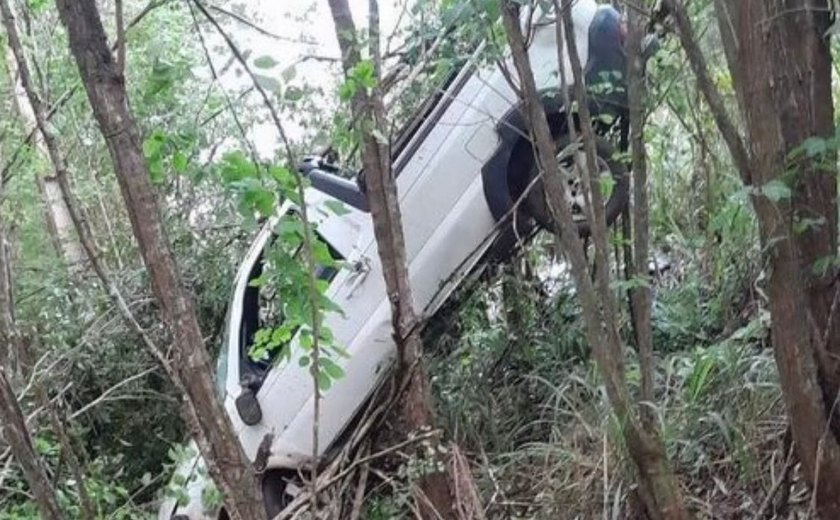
(776, 190)
(265, 62)
(268, 83)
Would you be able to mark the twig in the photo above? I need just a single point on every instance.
(698, 64)
(467, 501)
(120, 43)
(104, 395)
(783, 477)
(228, 100)
(381, 453)
(241, 19)
(359, 498)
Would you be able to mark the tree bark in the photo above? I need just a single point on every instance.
(784, 53)
(780, 60)
(369, 113)
(17, 435)
(640, 295)
(659, 489)
(227, 463)
(56, 215)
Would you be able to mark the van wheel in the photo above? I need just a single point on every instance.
(535, 203)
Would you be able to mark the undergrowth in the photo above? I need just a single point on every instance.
(517, 391)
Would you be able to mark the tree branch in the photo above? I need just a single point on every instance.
(120, 43)
(713, 97)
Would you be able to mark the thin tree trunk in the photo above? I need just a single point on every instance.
(227, 463)
(12, 421)
(58, 222)
(369, 112)
(779, 56)
(17, 435)
(9, 337)
(641, 294)
(660, 491)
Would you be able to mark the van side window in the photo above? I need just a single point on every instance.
(262, 308)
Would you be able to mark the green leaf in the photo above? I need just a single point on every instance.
(236, 167)
(321, 254)
(364, 73)
(289, 74)
(268, 83)
(265, 202)
(326, 334)
(262, 336)
(337, 207)
(805, 224)
(815, 146)
(324, 382)
(281, 174)
(265, 62)
(281, 335)
(156, 171)
(331, 368)
(606, 183)
(179, 162)
(776, 190)
(347, 90)
(294, 94)
(824, 264)
(37, 5)
(153, 145)
(161, 79)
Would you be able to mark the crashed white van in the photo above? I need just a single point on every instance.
(461, 166)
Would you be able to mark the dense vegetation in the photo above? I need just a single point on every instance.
(513, 380)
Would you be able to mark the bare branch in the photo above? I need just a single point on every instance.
(698, 64)
(120, 43)
(248, 23)
(640, 296)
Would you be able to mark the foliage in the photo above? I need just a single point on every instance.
(259, 188)
(511, 371)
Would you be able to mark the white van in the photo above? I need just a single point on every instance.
(461, 166)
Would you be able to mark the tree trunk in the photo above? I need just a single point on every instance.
(369, 112)
(17, 435)
(191, 364)
(783, 105)
(780, 60)
(658, 485)
(56, 215)
(641, 294)
(12, 421)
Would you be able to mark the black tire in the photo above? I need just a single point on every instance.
(535, 204)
